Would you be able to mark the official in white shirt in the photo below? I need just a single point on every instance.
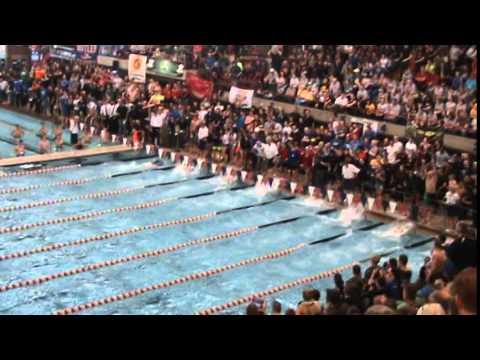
(202, 136)
(270, 151)
(350, 173)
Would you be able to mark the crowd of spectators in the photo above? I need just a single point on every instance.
(427, 87)
(445, 285)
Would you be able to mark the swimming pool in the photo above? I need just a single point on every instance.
(128, 227)
(31, 126)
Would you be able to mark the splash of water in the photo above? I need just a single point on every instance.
(311, 201)
(398, 229)
(262, 189)
(352, 213)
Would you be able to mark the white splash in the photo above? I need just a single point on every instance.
(147, 149)
(352, 213)
(82, 126)
(398, 229)
(311, 190)
(262, 189)
(320, 203)
(125, 141)
(185, 160)
(114, 139)
(214, 168)
(160, 152)
(172, 156)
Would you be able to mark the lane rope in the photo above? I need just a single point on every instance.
(105, 236)
(39, 171)
(126, 259)
(181, 280)
(96, 195)
(54, 184)
(261, 294)
(86, 216)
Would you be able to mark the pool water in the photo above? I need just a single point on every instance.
(306, 226)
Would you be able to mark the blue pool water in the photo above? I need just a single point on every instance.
(187, 298)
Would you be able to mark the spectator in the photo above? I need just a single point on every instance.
(465, 291)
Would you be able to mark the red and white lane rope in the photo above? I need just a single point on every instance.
(85, 216)
(39, 171)
(261, 294)
(96, 195)
(124, 260)
(105, 236)
(54, 184)
(177, 281)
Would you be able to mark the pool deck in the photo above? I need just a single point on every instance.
(64, 155)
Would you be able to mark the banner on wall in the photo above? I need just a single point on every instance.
(137, 68)
(166, 67)
(433, 134)
(374, 125)
(197, 86)
(87, 52)
(241, 97)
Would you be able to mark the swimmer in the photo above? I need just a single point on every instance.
(154, 164)
(105, 135)
(400, 229)
(20, 148)
(44, 145)
(43, 130)
(18, 132)
(58, 135)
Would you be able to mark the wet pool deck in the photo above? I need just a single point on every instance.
(74, 154)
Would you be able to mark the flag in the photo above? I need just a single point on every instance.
(137, 68)
(198, 87)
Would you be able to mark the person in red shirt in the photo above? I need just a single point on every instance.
(176, 91)
(307, 153)
(167, 93)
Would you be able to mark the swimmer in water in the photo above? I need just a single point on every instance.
(20, 148)
(44, 145)
(43, 130)
(154, 164)
(58, 135)
(18, 132)
(400, 229)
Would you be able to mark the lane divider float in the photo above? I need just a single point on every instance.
(105, 236)
(86, 216)
(39, 171)
(124, 260)
(54, 184)
(181, 280)
(136, 229)
(96, 195)
(261, 294)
